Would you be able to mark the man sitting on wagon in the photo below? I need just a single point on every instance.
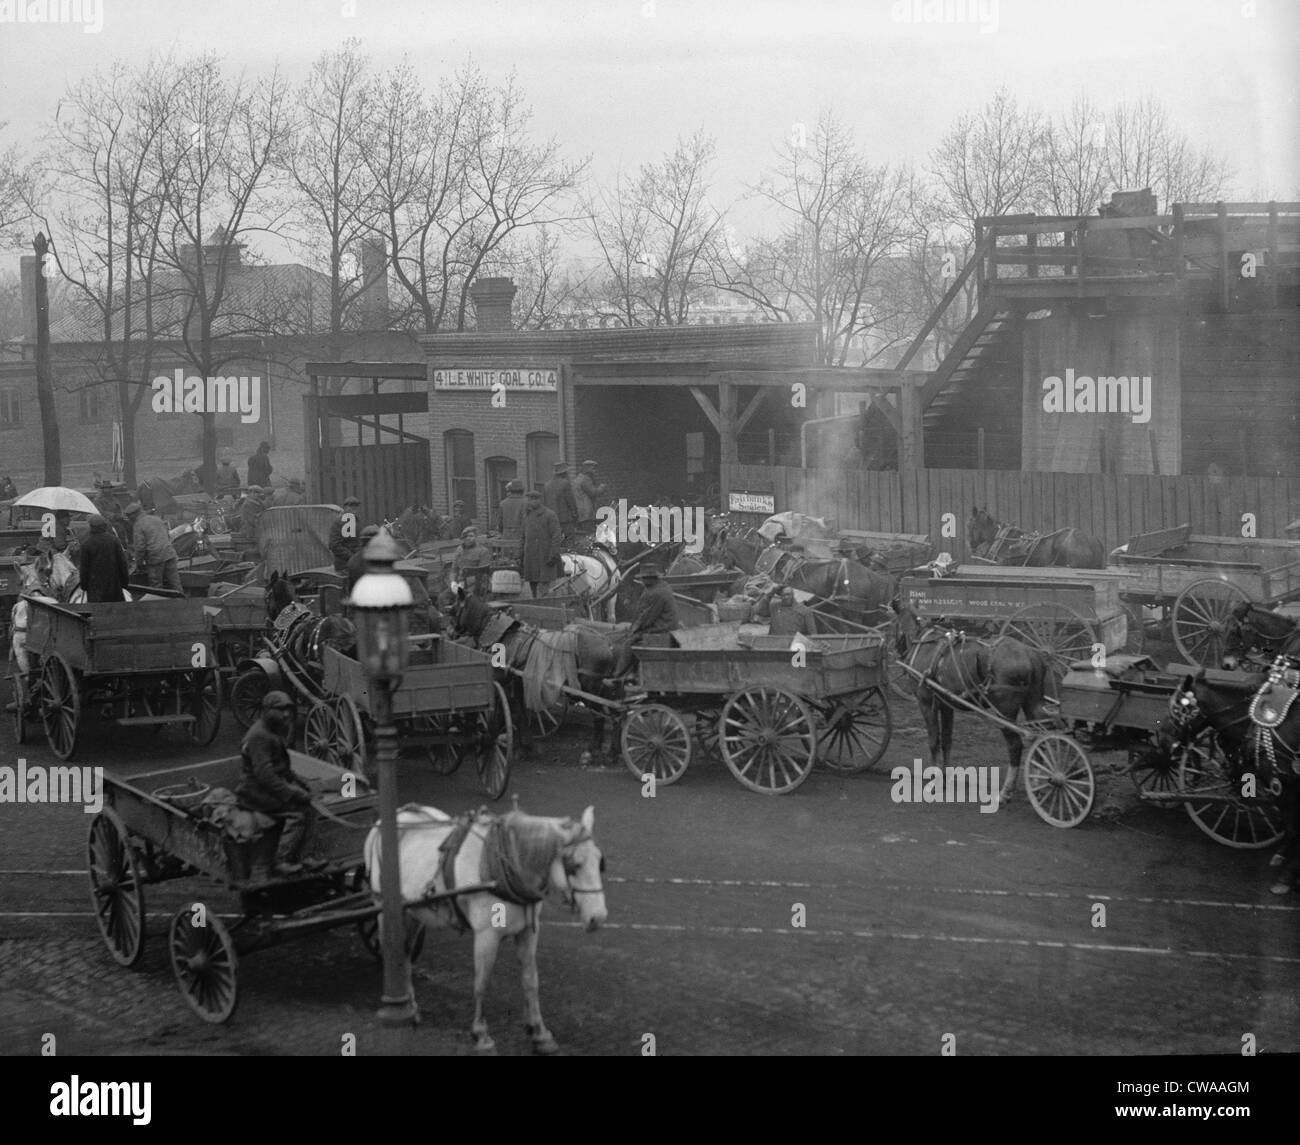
(269, 784)
(656, 617)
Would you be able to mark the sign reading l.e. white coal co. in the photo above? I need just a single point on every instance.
(539, 379)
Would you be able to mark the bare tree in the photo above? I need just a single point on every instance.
(1143, 149)
(844, 224)
(658, 236)
(548, 289)
(1076, 158)
(456, 176)
(324, 158)
(14, 192)
(100, 172)
(216, 159)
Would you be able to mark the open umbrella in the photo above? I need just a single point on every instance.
(56, 497)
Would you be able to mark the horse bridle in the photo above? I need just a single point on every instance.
(572, 900)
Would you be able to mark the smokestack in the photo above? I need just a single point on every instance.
(27, 282)
(374, 305)
(492, 298)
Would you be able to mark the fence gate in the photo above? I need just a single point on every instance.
(364, 449)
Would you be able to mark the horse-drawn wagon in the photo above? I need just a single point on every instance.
(1198, 580)
(772, 709)
(1065, 613)
(153, 830)
(148, 662)
(448, 704)
(1130, 704)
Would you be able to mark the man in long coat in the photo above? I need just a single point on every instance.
(558, 497)
(587, 494)
(542, 540)
(102, 565)
(342, 547)
(259, 465)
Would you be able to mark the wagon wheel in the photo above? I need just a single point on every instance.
(246, 696)
(1202, 616)
(202, 691)
(116, 890)
(320, 733)
(1058, 780)
(368, 928)
(495, 737)
(1056, 630)
(855, 731)
(656, 741)
(19, 684)
(1154, 774)
(548, 721)
(205, 963)
(1135, 628)
(60, 706)
(768, 739)
(350, 740)
(444, 758)
(1246, 824)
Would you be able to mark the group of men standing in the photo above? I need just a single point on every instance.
(102, 562)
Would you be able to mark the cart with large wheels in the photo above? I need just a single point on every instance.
(771, 710)
(1127, 706)
(153, 830)
(1196, 581)
(448, 705)
(147, 663)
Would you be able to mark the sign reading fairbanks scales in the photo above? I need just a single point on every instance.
(536, 378)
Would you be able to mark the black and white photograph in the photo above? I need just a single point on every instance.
(639, 528)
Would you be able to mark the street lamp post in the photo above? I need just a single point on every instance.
(381, 602)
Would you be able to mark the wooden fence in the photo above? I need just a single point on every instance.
(1113, 508)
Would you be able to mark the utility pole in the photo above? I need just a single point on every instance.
(44, 382)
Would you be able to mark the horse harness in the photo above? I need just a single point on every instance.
(500, 870)
(951, 638)
(1269, 709)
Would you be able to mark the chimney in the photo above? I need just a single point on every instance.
(27, 281)
(492, 298)
(374, 305)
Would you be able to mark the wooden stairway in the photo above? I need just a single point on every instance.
(979, 345)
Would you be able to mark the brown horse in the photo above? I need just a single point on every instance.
(1068, 548)
(843, 586)
(1256, 634)
(1003, 675)
(485, 626)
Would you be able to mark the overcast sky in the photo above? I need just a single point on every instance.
(619, 80)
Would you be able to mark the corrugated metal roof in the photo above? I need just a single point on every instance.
(295, 538)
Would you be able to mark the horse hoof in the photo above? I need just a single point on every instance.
(485, 1045)
(1277, 859)
(1280, 889)
(546, 1046)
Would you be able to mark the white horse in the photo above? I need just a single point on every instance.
(526, 857)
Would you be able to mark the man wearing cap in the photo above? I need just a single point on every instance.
(344, 535)
(154, 555)
(269, 784)
(656, 616)
(511, 511)
(102, 565)
(587, 495)
(259, 465)
(250, 512)
(457, 523)
(356, 567)
(291, 494)
(542, 539)
(471, 554)
(557, 495)
(227, 477)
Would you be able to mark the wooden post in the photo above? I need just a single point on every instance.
(771, 446)
(1081, 271)
(1032, 239)
(1180, 257)
(1155, 452)
(728, 449)
(1273, 267)
(911, 445)
(979, 448)
(50, 439)
(1225, 282)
